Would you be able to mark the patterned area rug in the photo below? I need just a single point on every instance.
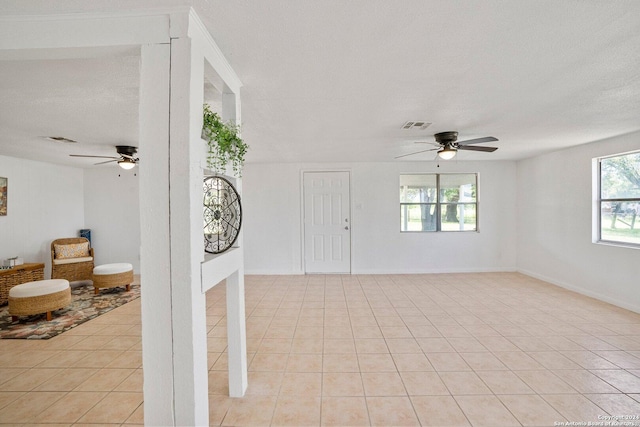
(84, 306)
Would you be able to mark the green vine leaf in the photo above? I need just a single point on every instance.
(224, 143)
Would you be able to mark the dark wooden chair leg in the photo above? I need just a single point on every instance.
(14, 318)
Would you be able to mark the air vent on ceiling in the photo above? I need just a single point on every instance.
(59, 139)
(419, 125)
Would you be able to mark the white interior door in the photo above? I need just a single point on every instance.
(327, 222)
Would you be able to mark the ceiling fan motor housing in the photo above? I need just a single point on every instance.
(446, 138)
(126, 150)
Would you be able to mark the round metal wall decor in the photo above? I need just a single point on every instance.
(222, 214)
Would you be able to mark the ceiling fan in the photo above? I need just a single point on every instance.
(449, 145)
(127, 159)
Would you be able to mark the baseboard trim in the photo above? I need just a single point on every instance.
(439, 271)
(601, 297)
(272, 273)
(388, 271)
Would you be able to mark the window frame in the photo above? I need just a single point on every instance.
(599, 200)
(439, 204)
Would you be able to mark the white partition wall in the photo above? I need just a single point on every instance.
(190, 273)
(175, 275)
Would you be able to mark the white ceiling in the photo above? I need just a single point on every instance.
(334, 80)
(91, 98)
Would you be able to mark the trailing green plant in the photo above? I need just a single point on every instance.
(224, 143)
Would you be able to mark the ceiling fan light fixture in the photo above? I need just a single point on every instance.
(126, 164)
(447, 153)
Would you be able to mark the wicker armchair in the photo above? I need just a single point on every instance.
(71, 268)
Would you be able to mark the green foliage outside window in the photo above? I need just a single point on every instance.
(620, 199)
(438, 202)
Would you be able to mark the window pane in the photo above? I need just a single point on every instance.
(620, 177)
(418, 217)
(458, 188)
(620, 222)
(458, 217)
(418, 189)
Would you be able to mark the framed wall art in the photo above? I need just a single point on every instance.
(3, 196)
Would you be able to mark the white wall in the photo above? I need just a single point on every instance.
(273, 230)
(45, 202)
(112, 212)
(555, 207)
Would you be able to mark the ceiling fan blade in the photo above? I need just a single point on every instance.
(99, 157)
(417, 152)
(478, 140)
(474, 148)
(108, 161)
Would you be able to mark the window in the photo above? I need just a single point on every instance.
(439, 202)
(619, 199)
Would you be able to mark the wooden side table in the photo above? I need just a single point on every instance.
(17, 275)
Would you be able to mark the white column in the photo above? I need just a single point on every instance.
(155, 262)
(236, 334)
(236, 322)
(188, 301)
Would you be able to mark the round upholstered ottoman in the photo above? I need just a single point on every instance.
(42, 296)
(111, 275)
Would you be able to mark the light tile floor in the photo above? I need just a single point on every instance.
(490, 349)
